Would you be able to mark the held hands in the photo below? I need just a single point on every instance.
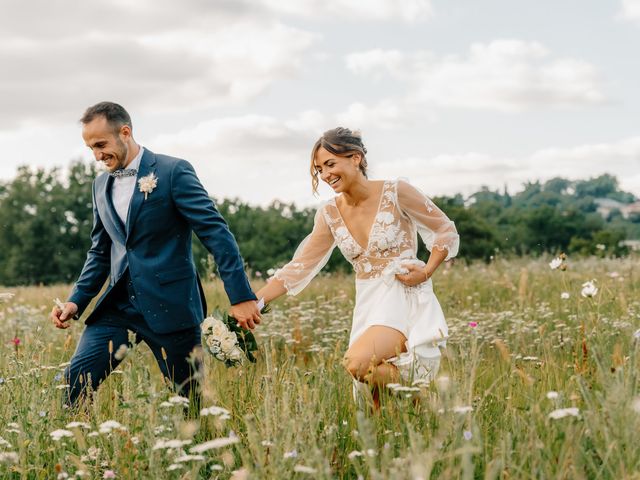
(415, 275)
(60, 316)
(246, 313)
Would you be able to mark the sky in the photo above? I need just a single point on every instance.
(452, 95)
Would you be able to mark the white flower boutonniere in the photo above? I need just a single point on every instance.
(147, 184)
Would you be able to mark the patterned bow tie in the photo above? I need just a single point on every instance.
(124, 172)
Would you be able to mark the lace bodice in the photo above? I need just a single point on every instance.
(403, 213)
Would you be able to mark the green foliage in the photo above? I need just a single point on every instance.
(46, 218)
(46, 223)
(559, 215)
(485, 236)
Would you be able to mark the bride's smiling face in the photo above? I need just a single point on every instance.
(336, 171)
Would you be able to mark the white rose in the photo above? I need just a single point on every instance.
(218, 329)
(213, 343)
(228, 342)
(207, 324)
(236, 354)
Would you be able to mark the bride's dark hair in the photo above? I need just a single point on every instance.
(341, 142)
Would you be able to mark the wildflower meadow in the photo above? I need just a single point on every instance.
(539, 380)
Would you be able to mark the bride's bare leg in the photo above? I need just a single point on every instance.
(365, 358)
(378, 377)
(382, 374)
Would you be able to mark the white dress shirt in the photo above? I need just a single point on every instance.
(122, 189)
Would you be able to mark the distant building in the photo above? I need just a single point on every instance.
(634, 245)
(607, 205)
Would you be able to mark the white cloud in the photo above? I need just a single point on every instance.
(245, 56)
(466, 172)
(630, 10)
(260, 157)
(49, 145)
(220, 54)
(503, 75)
(254, 157)
(377, 59)
(621, 159)
(67, 18)
(354, 10)
(159, 55)
(386, 114)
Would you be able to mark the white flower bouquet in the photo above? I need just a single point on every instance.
(223, 338)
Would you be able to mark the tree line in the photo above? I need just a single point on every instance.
(46, 219)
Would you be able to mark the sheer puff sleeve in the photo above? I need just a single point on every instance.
(310, 256)
(434, 227)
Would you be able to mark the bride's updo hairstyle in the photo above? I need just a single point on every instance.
(341, 142)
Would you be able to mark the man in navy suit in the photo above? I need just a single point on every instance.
(145, 209)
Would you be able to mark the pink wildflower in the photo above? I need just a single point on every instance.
(473, 324)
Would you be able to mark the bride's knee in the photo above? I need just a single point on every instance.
(357, 366)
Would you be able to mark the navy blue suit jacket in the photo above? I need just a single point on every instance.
(155, 245)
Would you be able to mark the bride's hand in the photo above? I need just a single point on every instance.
(415, 275)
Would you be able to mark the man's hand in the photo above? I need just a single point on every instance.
(59, 317)
(414, 276)
(246, 313)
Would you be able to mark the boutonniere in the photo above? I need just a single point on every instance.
(147, 184)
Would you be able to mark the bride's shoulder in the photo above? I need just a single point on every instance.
(404, 184)
(394, 185)
(393, 182)
(326, 205)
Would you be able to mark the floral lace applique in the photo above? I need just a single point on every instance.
(387, 238)
(347, 245)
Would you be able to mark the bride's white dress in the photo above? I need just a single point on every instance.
(403, 213)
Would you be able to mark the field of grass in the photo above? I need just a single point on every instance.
(532, 385)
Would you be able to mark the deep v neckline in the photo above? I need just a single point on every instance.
(373, 222)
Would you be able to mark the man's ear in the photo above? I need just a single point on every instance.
(125, 131)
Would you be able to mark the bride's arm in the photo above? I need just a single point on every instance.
(311, 255)
(436, 230)
(273, 289)
(436, 257)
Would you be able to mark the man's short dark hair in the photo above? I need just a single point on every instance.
(115, 114)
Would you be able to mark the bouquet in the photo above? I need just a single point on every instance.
(223, 338)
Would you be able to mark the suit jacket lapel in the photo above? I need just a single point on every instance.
(115, 217)
(147, 163)
(112, 217)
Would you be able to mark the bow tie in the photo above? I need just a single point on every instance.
(124, 172)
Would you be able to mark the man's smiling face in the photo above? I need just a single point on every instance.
(108, 143)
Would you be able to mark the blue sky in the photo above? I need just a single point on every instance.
(451, 95)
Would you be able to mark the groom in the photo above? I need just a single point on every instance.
(144, 211)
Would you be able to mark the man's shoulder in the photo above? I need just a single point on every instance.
(166, 160)
(167, 164)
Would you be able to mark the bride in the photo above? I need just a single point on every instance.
(398, 324)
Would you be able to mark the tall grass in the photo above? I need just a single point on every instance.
(292, 414)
